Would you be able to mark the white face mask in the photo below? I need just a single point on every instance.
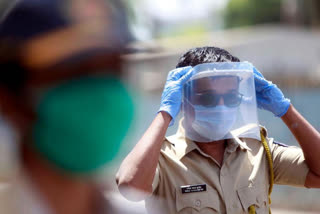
(213, 123)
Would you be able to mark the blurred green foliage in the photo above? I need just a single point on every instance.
(251, 12)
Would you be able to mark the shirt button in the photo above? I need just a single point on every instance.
(198, 203)
(234, 205)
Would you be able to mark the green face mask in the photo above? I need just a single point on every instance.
(82, 123)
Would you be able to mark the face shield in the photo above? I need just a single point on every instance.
(219, 102)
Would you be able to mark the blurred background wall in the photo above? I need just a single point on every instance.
(280, 37)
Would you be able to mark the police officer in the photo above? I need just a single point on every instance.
(180, 175)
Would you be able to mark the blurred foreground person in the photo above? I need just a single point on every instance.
(61, 90)
(220, 160)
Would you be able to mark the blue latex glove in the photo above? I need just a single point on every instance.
(172, 94)
(269, 96)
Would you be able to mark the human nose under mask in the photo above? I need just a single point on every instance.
(213, 123)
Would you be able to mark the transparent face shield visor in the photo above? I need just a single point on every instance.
(219, 102)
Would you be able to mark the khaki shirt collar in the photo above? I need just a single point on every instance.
(184, 145)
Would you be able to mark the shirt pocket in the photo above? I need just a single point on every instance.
(206, 202)
(253, 196)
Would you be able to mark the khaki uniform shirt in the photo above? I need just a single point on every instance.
(241, 181)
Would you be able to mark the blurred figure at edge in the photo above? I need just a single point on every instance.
(61, 91)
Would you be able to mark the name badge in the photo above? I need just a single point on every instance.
(194, 188)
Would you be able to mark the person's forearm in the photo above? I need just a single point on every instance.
(138, 168)
(307, 136)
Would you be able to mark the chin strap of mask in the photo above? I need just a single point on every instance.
(252, 209)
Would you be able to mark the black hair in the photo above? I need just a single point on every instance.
(201, 55)
(30, 18)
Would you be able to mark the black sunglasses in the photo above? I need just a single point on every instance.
(212, 100)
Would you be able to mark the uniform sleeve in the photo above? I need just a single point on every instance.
(159, 170)
(289, 164)
(156, 179)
